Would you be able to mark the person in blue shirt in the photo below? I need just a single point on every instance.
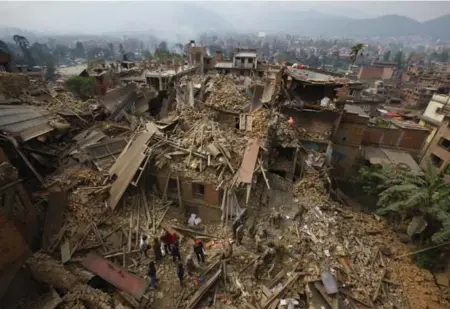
(180, 273)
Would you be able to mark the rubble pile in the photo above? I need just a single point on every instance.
(83, 296)
(88, 187)
(260, 120)
(290, 243)
(288, 134)
(66, 100)
(208, 149)
(50, 271)
(226, 95)
(310, 187)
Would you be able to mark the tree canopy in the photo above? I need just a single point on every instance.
(82, 86)
(406, 195)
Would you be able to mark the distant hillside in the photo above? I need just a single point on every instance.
(438, 28)
(316, 24)
(181, 21)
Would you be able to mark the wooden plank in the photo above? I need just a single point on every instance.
(249, 161)
(57, 203)
(129, 299)
(280, 291)
(127, 168)
(277, 278)
(130, 231)
(180, 201)
(203, 289)
(162, 217)
(266, 291)
(65, 252)
(249, 123)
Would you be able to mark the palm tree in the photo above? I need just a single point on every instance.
(426, 199)
(356, 50)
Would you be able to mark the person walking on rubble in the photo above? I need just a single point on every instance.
(239, 234)
(166, 240)
(143, 245)
(157, 249)
(180, 273)
(175, 251)
(257, 268)
(152, 274)
(190, 265)
(198, 250)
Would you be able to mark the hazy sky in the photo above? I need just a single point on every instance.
(102, 16)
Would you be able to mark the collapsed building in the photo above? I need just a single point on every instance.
(231, 150)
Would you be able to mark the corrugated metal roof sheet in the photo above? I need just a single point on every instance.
(355, 109)
(23, 121)
(377, 155)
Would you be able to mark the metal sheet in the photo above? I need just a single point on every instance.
(126, 166)
(115, 275)
(88, 137)
(402, 157)
(25, 122)
(249, 161)
(378, 155)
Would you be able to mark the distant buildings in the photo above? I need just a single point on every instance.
(244, 62)
(418, 96)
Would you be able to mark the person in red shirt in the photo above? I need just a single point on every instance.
(166, 240)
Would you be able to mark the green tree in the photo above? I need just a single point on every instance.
(443, 57)
(421, 198)
(387, 55)
(399, 59)
(111, 49)
(162, 47)
(50, 70)
(82, 86)
(78, 52)
(356, 50)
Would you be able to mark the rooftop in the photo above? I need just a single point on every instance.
(407, 125)
(402, 159)
(167, 72)
(246, 54)
(313, 76)
(224, 65)
(23, 121)
(355, 109)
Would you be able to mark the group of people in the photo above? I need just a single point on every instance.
(168, 244)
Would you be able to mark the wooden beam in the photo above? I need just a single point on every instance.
(203, 289)
(166, 186)
(180, 201)
(280, 291)
(162, 217)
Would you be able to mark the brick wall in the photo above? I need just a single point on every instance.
(436, 149)
(210, 198)
(343, 157)
(349, 134)
(410, 139)
(315, 122)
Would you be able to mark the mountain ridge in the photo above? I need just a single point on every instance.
(308, 23)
